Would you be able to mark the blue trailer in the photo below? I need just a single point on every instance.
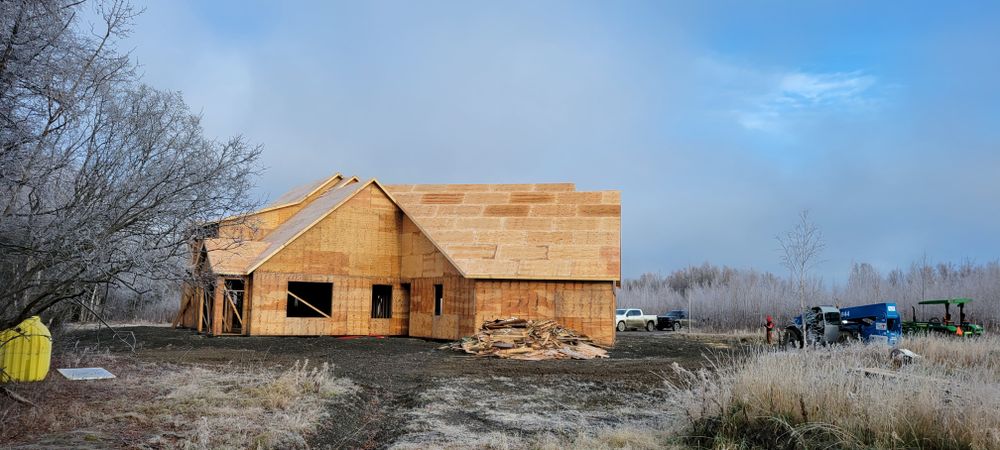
(877, 322)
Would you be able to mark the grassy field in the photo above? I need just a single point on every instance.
(947, 399)
(157, 405)
(658, 390)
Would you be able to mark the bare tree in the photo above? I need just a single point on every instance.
(738, 300)
(800, 251)
(102, 179)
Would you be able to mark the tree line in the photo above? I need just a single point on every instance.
(725, 298)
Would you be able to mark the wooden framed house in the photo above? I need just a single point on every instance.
(349, 257)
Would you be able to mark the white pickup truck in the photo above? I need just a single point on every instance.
(634, 319)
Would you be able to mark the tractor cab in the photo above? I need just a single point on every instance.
(945, 324)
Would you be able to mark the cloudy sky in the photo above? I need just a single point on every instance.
(718, 121)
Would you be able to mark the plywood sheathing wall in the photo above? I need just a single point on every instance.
(353, 248)
(520, 231)
(588, 307)
(424, 266)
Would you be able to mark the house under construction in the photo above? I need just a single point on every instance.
(350, 257)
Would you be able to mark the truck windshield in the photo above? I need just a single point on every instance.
(619, 312)
(833, 317)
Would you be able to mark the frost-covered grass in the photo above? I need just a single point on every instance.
(814, 398)
(526, 413)
(171, 406)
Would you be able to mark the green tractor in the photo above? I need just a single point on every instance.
(945, 325)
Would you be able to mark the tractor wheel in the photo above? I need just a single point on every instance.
(621, 326)
(650, 326)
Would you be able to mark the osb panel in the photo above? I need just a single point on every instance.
(457, 317)
(259, 224)
(351, 309)
(302, 193)
(361, 238)
(588, 307)
(465, 188)
(520, 231)
(419, 258)
(231, 257)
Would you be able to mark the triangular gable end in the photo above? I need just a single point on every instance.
(437, 247)
(297, 231)
(269, 253)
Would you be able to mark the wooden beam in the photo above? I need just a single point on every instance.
(229, 296)
(201, 307)
(307, 304)
(217, 319)
(247, 306)
(185, 302)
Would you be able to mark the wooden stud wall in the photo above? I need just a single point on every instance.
(189, 305)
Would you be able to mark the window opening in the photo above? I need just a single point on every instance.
(381, 301)
(307, 299)
(438, 299)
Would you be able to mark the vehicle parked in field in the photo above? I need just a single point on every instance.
(672, 320)
(822, 326)
(634, 319)
(944, 325)
(877, 322)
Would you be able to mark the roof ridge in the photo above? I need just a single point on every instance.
(302, 198)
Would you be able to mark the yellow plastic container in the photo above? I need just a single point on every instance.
(25, 351)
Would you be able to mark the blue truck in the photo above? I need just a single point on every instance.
(877, 322)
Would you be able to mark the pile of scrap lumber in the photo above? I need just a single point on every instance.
(531, 340)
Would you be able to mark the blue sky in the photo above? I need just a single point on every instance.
(718, 121)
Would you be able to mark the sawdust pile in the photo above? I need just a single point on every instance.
(531, 340)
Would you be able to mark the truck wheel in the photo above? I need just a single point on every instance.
(791, 339)
(650, 326)
(673, 326)
(621, 326)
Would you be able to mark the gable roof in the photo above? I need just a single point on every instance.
(495, 231)
(231, 257)
(519, 231)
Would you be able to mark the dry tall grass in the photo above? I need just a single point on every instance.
(948, 399)
(170, 406)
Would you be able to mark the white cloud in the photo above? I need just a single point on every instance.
(795, 96)
(817, 89)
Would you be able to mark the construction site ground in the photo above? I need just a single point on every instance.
(413, 395)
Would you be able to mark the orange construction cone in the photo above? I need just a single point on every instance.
(958, 331)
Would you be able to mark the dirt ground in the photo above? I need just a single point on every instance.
(414, 396)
